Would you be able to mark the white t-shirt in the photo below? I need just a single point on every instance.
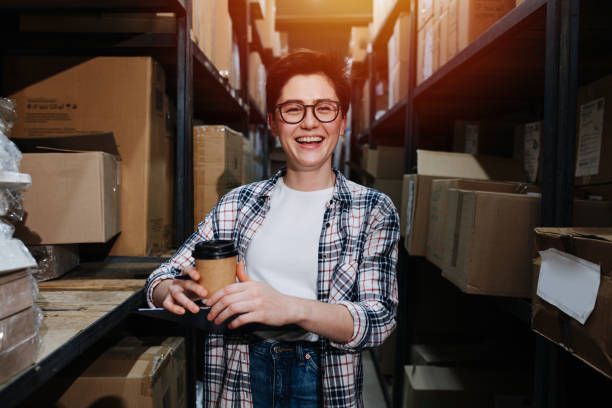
(285, 250)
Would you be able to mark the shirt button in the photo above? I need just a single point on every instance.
(331, 202)
(324, 256)
(327, 225)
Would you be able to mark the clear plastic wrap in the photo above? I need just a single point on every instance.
(11, 206)
(10, 156)
(6, 230)
(53, 260)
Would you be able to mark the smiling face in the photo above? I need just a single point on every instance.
(309, 144)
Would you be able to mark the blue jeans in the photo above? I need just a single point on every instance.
(284, 375)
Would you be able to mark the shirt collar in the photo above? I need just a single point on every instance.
(341, 191)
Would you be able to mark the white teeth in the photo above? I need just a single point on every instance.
(308, 139)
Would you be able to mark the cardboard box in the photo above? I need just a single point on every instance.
(591, 342)
(217, 161)
(53, 260)
(439, 217)
(425, 12)
(398, 83)
(425, 52)
(489, 239)
(594, 142)
(456, 355)
(134, 373)
(532, 142)
(431, 386)
(453, 29)
(444, 16)
(491, 245)
(222, 38)
(385, 162)
(124, 95)
(16, 292)
(483, 137)
(266, 26)
(75, 197)
(19, 343)
(416, 189)
(476, 16)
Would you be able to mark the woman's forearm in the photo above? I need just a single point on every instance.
(332, 321)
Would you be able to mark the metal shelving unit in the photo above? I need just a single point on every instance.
(193, 83)
(525, 67)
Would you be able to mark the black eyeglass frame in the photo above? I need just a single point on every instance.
(314, 111)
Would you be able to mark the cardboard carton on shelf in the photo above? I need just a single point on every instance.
(416, 189)
(425, 52)
(218, 163)
(591, 342)
(483, 137)
(485, 238)
(136, 372)
(433, 386)
(59, 96)
(19, 347)
(594, 133)
(75, 195)
(384, 162)
(476, 16)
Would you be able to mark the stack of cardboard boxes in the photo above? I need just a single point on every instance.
(398, 49)
(257, 81)
(380, 11)
(92, 196)
(384, 169)
(446, 27)
(358, 44)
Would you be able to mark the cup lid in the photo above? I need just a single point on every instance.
(214, 249)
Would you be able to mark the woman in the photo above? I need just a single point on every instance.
(317, 251)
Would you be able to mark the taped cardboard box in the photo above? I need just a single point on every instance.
(19, 341)
(435, 165)
(217, 161)
(590, 342)
(58, 96)
(594, 144)
(490, 239)
(439, 216)
(587, 213)
(432, 386)
(148, 373)
(75, 196)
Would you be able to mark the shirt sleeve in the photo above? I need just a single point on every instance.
(374, 310)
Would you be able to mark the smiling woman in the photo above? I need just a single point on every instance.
(316, 251)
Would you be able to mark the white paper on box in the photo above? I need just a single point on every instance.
(409, 208)
(471, 139)
(531, 155)
(569, 283)
(589, 137)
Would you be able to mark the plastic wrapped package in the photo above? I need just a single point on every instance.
(20, 341)
(6, 230)
(10, 156)
(18, 290)
(53, 260)
(12, 185)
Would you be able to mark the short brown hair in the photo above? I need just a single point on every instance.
(306, 62)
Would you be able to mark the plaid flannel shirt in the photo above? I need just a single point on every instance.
(357, 268)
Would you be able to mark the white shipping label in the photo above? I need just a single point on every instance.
(589, 137)
(409, 208)
(569, 283)
(531, 150)
(471, 139)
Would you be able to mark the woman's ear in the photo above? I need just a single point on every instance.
(272, 124)
(343, 127)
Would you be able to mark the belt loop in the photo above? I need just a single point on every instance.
(299, 354)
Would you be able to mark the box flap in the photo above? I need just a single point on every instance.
(463, 165)
(93, 142)
(603, 234)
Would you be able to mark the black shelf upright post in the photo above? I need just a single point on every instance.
(184, 139)
(558, 152)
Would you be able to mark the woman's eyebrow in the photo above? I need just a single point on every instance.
(315, 101)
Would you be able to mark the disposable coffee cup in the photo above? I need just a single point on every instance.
(215, 261)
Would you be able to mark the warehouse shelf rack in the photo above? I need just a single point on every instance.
(526, 67)
(199, 90)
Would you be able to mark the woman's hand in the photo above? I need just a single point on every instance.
(252, 301)
(176, 295)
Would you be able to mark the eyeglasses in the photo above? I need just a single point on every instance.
(295, 112)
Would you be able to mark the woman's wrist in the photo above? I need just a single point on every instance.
(160, 292)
